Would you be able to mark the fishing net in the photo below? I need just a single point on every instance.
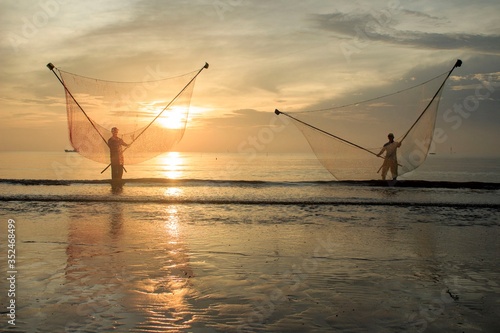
(347, 139)
(151, 115)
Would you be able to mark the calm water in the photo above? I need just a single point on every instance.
(212, 166)
(233, 178)
(228, 243)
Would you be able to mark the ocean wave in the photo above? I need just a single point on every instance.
(208, 182)
(225, 201)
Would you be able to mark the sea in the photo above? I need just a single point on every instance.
(226, 242)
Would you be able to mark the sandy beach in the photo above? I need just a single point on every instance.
(127, 267)
(258, 249)
(232, 166)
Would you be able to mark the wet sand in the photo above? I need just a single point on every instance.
(128, 267)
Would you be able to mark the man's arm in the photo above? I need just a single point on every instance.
(123, 143)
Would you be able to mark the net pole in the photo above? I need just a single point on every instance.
(159, 114)
(278, 112)
(167, 106)
(457, 64)
(51, 67)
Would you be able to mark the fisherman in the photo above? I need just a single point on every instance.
(116, 155)
(390, 158)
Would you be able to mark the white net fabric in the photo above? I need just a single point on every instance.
(347, 139)
(151, 115)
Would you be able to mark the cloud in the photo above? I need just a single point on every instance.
(263, 55)
(371, 27)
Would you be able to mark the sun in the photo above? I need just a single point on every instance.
(173, 118)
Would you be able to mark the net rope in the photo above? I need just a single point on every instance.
(151, 115)
(346, 139)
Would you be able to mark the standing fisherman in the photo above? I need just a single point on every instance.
(390, 159)
(116, 156)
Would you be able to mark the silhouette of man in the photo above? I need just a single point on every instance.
(116, 155)
(390, 158)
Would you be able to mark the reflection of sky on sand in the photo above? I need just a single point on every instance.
(125, 272)
(172, 224)
(162, 294)
(126, 267)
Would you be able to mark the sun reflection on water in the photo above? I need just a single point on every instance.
(172, 224)
(173, 192)
(164, 293)
(172, 165)
(136, 272)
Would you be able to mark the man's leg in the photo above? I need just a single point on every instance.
(120, 171)
(394, 170)
(385, 168)
(116, 172)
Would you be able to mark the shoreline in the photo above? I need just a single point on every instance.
(162, 181)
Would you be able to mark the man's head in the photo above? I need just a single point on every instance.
(390, 136)
(114, 131)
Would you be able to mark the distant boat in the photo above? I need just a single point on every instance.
(71, 150)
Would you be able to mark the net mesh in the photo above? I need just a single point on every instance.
(151, 115)
(356, 133)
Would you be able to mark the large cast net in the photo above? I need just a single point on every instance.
(151, 115)
(347, 139)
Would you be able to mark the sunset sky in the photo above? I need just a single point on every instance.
(291, 55)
